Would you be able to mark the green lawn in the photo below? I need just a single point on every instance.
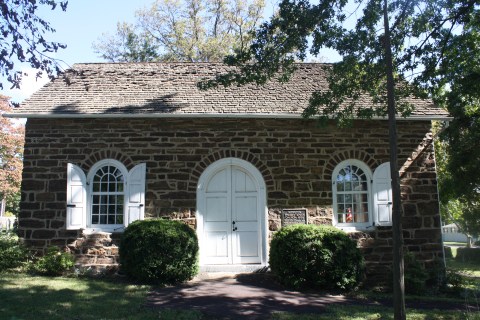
(23, 296)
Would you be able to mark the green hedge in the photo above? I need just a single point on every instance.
(311, 256)
(468, 255)
(159, 251)
(12, 252)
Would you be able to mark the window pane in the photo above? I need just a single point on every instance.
(104, 187)
(348, 198)
(340, 198)
(348, 186)
(364, 186)
(103, 219)
(95, 219)
(111, 219)
(96, 187)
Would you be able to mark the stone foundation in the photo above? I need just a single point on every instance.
(95, 253)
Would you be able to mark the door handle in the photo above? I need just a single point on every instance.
(234, 227)
(71, 205)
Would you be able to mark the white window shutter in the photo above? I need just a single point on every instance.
(382, 195)
(135, 194)
(76, 198)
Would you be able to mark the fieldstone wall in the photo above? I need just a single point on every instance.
(295, 157)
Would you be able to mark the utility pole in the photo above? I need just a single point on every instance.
(398, 265)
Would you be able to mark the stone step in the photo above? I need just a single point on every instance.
(95, 259)
(98, 269)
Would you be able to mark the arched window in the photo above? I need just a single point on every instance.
(107, 193)
(351, 182)
(107, 199)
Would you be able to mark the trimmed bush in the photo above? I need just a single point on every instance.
(54, 263)
(311, 256)
(465, 254)
(159, 251)
(12, 253)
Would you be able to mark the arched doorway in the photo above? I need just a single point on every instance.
(231, 214)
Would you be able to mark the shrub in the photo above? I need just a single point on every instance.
(415, 275)
(468, 255)
(12, 253)
(311, 256)
(159, 251)
(54, 263)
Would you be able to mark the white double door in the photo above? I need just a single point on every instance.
(231, 218)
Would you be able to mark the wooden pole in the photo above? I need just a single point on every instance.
(398, 266)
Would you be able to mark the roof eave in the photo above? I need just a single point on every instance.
(192, 115)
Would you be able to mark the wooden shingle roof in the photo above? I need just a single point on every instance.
(170, 89)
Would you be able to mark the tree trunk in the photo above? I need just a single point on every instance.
(398, 281)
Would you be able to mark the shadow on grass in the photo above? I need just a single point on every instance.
(28, 297)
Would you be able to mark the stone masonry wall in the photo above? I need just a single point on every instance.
(295, 157)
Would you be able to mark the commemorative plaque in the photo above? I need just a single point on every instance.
(294, 216)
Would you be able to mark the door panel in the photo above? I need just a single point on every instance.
(216, 208)
(246, 207)
(218, 244)
(247, 244)
(231, 219)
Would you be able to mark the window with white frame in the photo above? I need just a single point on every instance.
(360, 199)
(351, 194)
(108, 198)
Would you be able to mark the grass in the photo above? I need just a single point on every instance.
(23, 296)
(33, 297)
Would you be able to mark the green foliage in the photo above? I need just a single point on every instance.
(159, 251)
(465, 254)
(455, 281)
(127, 45)
(12, 252)
(311, 256)
(54, 262)
(13, 204)
(415, 275)
(184, 30)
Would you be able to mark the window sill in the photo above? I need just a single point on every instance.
(104, 229)
(350, 229)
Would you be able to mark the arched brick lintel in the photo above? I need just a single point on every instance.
(247, 156)
(106, 154)
(338, 157)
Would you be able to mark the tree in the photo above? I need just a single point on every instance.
(22, 39)
(459, 151)
(395, 49)
(11, 156)
(187, 30)
(127, 46)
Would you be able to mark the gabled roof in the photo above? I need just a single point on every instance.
(170, 90)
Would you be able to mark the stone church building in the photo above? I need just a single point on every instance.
(113, 143)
